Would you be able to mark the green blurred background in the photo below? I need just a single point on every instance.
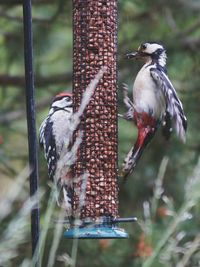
(177, 25)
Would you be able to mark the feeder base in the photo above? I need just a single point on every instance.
(101, 232)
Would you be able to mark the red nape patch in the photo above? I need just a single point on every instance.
(63, 94)
(143, 120)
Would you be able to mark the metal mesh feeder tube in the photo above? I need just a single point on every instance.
(95, 45)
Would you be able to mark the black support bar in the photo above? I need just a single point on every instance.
(30, 109)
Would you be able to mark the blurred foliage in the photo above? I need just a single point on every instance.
(177, 25)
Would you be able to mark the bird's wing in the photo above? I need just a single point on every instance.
(47, 141)
(167, 125)
(174, 105)
(41, 132)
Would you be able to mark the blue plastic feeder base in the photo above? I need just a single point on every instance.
(100, 232)
(102, 228)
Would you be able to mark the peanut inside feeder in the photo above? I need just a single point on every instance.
(95, 45)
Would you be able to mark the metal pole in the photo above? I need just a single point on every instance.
(30, 109)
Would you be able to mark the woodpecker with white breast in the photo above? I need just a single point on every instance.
(52, 137)
(155, 101)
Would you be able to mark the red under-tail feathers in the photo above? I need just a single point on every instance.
(147, 127)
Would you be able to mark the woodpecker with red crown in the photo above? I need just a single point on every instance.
(52, 137)
(155, 102)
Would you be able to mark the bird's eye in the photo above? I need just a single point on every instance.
(143, 46)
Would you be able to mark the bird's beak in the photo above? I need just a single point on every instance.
(135, 55)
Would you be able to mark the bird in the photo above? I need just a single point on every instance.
(53, 134)
(155, 102)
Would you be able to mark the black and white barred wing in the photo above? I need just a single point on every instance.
(174, 105)
(41, 133)
(47, 141)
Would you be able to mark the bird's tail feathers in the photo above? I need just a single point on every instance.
(133, 156)
(130, 162)
(67, 199)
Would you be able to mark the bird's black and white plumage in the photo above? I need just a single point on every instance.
(155, 101)
(52, 137)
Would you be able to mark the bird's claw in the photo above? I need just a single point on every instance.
(125, 90)
(120, 116)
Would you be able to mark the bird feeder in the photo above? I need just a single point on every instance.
(94, 46)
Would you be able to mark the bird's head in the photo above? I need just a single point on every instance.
(150, 51)
(62, 101)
